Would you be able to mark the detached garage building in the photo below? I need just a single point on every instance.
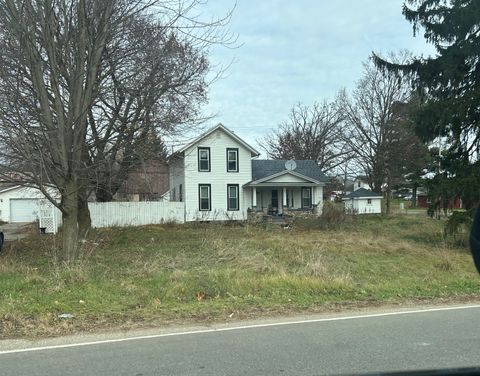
(20, 204)
(363, 201)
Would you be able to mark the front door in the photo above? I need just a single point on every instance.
(275, 200)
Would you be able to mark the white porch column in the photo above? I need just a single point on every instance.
(285, 197)
(254, 198)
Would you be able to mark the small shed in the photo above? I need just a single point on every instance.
(363, 201)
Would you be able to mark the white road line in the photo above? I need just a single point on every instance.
(227, 329)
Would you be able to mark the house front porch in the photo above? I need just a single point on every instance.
(280, 187)
(279, 200)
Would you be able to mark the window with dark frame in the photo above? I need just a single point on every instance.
(232, 160)
(306, 197)
(204, 197)
(180, 193)
(233, 202)
(369, 201)
(203, 159)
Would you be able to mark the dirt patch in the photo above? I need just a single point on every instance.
(15, 231)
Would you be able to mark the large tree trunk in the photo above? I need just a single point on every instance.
(414, 195)
(83, 215)
(388, 201)
(70, 222)
(388, 195)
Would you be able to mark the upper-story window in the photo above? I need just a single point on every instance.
(204, 159)
(232, 160)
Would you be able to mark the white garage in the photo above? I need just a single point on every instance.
(21, 204)
(24, 209)
(363, 201)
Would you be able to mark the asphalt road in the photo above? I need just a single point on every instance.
(405, 341)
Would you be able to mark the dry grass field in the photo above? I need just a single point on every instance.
(158, 275)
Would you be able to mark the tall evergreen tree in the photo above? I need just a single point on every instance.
(449, 84)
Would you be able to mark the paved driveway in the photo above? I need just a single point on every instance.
(15, 231)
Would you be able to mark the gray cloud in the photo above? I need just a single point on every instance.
(299, 51)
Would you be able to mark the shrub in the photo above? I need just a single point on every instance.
(459, 223)
(333, 214)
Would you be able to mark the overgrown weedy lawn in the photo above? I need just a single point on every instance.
(131, 277)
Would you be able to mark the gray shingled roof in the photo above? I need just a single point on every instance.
(262, 168)
(362, 192)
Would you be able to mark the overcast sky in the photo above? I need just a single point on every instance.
(298, 51)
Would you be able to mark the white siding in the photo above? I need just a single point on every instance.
(177, 178)
(357, 184)
(18, 193)
(361, 205)
(218, 178)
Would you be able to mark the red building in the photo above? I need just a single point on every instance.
(423, 202)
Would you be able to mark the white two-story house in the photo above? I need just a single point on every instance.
(218, 177)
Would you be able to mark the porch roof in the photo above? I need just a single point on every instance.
(286, 179)
(307, 170)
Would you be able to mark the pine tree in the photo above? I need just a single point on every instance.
(449, 84)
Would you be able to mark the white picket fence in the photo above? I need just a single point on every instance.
(110, 214)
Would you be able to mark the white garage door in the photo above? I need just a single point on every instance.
(23, 209)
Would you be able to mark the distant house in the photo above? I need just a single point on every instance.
(214, 177)
(148, 182)
(424, 202)
(360, 182)
(363, 201)
(218, 178)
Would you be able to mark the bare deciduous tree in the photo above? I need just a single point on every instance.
(379, 131)
(310, 133)
(82, 80)
(51, 53)
(369, 113)
(154, 92)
